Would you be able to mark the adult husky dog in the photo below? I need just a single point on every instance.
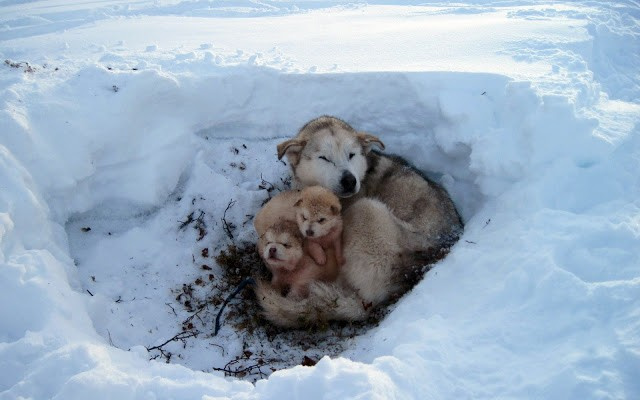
(392, 214)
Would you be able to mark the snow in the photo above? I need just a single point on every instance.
(120, 119)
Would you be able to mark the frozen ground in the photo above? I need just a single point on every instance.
(120, 120)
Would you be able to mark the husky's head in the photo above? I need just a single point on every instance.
(329, 152)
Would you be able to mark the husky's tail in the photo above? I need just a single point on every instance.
(326, 302)
(413, 239)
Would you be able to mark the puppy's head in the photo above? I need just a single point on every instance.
(317, 211)
(329, 152)
(281, 246)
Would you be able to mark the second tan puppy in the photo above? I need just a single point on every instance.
(282, 247)
(279, 208)
(319, 220)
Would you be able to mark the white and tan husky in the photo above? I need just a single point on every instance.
(391, 213)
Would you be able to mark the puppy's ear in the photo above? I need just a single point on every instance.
(368, 141)
(292, 149)
(298, 203)
(335, 210)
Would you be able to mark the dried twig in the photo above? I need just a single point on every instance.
(183, 224)
(182, 336)
(172, 309)
(201, 307)
(201, 226)
(228, 227)
(242, 372)
(221, 348)
(266, 185)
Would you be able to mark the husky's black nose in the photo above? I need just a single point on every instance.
(348, 182)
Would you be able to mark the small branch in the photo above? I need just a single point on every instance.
(241, 372)
(266, 185)
(201, 226)
(182, 336)
(249, 218)
(172, 309)
(201, 308)
(183, 224)
(221, 348)
(226, 226)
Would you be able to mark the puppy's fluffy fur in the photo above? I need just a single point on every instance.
(279, 208)
(319, 220)
(282, 249)
(293, 259)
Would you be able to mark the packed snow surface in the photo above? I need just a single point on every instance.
(125, 125)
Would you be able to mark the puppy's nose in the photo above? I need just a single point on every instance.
(272, 251)
(309, 232)
(348, 181)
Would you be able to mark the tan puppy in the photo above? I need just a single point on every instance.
(319, 220)
(279, 208)
(282, 249)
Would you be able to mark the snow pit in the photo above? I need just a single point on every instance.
(174, 191)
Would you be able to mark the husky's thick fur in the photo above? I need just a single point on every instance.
(391, 213)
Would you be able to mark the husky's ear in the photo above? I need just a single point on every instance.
(292, 149)
(368, 141)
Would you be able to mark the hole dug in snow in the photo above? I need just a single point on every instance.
(155, 273)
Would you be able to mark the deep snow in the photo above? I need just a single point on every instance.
(126, 117)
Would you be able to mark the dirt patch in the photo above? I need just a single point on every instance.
(267, 348)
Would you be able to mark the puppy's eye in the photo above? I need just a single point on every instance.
(351, 155)
(324, 158)
(321, 220)
(304, 218)
(286, 245)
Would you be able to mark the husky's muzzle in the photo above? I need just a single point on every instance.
(347, 184)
